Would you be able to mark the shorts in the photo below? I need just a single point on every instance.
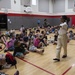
(11, 48)
(32, 48)
(19, 54)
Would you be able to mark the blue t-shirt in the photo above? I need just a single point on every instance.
(38, 21)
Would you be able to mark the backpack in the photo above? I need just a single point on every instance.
(10, 59)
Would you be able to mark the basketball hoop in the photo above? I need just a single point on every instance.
(28, 9)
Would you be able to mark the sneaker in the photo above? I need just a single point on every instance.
(7, 66)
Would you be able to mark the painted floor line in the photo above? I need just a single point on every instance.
(67, 70)
(44, 69)
(37, 66)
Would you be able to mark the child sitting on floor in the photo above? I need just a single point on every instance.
(32, 48)
(19, 50)
(10, 44)
(37, 42)
(71, 34)
(3, 63)
(55, 38)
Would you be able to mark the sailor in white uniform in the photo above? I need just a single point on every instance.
(62, 38)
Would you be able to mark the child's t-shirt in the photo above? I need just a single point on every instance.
(36, 42)
(10, 43)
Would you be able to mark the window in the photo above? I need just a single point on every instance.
(33, 2)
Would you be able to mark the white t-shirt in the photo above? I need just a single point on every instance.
(21, 29)
(63, 28)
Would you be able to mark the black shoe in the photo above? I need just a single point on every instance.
(56, 59)
(64, 56)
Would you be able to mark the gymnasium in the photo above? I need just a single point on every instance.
(37, 37)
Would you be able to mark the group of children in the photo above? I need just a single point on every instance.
(71, 35)
(30, 40)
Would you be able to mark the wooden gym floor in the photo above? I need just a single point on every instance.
(36, 64)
